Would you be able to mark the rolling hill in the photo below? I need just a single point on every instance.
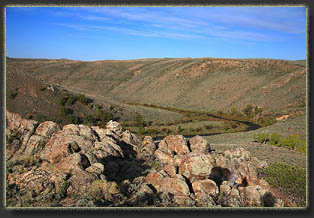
(201, 84)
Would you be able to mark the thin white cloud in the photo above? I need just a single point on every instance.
(146, 33)
(179, 23)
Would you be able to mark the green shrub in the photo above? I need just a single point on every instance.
(90, 119)
(166, 130)
(233, 111)
(31, 161)
(180, 129)
(198, 129)
(248, 110)
(274, 139)
(41, 117)
(71, 100)
(63, 189)
(141, 130)
(29, 116)
(13, 93)
(261, 138)
(293, 142)
(208, 126)
(140, 122)
(152, 132)
(64, 111)
(73, 119)
(191, 130)
(63, 100)
(81, 98)
(287, 178)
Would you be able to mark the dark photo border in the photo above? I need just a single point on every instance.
(129, 212)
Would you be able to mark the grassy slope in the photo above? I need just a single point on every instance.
(43, 104)
(204, 84)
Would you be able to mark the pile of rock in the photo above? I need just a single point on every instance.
(114, 164)
(192, 173)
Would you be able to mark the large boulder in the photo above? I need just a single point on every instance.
(155, 178)
(205, 186)
(196, 166)
(163, 157)
(199, 145)
(47, 129)
(175, 185)
(15, 121)
(177, 144)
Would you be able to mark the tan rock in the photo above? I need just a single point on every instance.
(163, 157)
(199, 145)
(175, 185)
(115, 127)
(177, 144)
(195, 166)
(97, 168)
(155, 178)
(170, 169)
(206, 186)
(47, 129)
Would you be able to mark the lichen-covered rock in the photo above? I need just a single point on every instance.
(178, 159)
(175, 185)
(199, 145)
(115, 127)
(196, 166)
(205, 200)
(80, 181)
(73, 161)
(130, 138)
(35, 144)
(205, 186)
(184, 201)
(258, 163)
(170, 169)
(177, 144)
(80, 130)
(155, 178)
(147, 149)
(97, 168)
(163, 146)
(252, 195)
(15, 121)
(240, 153)
(77, 159)
(144, 188)
(47, 129)
(163, 157)
(106, 149)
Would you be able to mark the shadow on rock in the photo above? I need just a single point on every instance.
(219, 174)
(268, 199)
(118, 169)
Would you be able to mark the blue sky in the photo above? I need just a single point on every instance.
(120, 33)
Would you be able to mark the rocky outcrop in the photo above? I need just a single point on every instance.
(116, 168)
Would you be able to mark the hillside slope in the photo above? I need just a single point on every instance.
(203, 84)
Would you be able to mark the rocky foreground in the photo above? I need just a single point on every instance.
(80, 166)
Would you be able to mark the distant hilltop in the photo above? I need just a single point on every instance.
(203, 84)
